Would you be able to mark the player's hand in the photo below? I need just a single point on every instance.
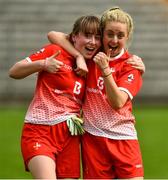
(75, 126)
(81, 68)
(102, 60)
(137, 63)
(51, 64)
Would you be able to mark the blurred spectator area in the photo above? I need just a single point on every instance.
(24, 26)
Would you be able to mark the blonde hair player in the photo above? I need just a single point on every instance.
(110, 122)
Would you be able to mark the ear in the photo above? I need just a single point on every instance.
(74, 38)
(128, 36)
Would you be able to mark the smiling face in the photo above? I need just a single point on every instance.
(115, 37)
(85, 36)
(117, 27)
(87, 44)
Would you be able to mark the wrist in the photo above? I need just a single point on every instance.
(106, 72)
(77, 55)
(104, 68)
(45, 63)
(107, 75)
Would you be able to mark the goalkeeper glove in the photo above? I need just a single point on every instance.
(75, 125)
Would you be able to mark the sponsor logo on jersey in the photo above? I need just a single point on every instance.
(130, 77)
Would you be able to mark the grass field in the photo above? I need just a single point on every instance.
(152, 127)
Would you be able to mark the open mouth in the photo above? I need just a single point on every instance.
(113, 48)
(90, 49)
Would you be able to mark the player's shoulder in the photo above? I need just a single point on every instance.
(51, 47)
(126, 55)
(54, 47)
(126, 66)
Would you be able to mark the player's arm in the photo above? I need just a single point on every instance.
(115, 96)
(25, 68)
(63, 40)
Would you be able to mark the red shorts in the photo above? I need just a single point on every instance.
(54, 142)
(104, 158)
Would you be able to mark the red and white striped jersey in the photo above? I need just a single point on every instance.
(57, 95)
(100, 118)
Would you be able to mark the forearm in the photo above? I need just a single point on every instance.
(115, 97)
(62, 40)
(24, 68)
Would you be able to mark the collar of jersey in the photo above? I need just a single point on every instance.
(118, 56)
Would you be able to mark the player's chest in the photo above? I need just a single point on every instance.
(95, 78)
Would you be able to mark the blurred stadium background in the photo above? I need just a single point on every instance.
(23, 30)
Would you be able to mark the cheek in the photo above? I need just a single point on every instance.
(82, 42)
(123, 43)
(77, 46)
(79, 43)
(98, 44)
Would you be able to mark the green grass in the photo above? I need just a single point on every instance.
(152, 127)
(11, 164)
(151, 124)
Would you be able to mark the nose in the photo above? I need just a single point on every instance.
(115, 38)
(93, 40)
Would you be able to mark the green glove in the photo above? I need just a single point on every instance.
(75, 126)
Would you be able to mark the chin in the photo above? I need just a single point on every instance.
(89, 57)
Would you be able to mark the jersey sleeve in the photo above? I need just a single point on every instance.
(43, 53)
(130, 81)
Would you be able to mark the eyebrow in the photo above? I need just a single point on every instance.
(109, 30)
